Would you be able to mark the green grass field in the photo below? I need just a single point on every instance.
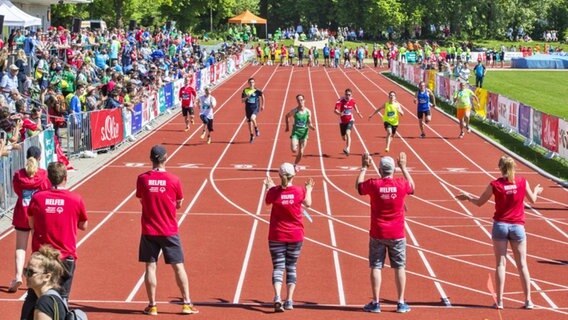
(542, 90)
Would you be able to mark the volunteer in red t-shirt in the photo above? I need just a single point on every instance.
(508, 224)
(26, 182)
(161, 194)
(187, 96)
(286, 230)
(344, 108)
(387, 195)
(54, 216)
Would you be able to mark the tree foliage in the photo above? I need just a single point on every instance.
(465, 19)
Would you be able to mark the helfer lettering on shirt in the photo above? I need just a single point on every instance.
(54, 202)
(510, 189)
(287, 199)
(161, 183)
(387, 189)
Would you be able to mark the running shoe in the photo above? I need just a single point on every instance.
(498, 306)
(188, 308)
(460, 136)
(203, 135)
(14, 285)
(288, 305)
(402, 307)
(372, 306)
(278, 307)
(251, 138)
(387, 150)
(423, 136)
(192, 121)
(209, 140)
(296, 168)
(346, 151)
(151, 310)
(186, 129)
(529, 305)
(256, 131)
(468, 129)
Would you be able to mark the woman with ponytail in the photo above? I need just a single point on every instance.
(286, 230)
(43, 274)
(508, 224)
(26, 182)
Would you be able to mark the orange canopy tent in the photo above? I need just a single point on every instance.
(248, 17)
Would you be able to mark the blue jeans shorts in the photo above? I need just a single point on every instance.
(507, 231)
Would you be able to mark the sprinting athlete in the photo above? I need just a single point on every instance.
(206, 104)
(254, 101)
(391, 117)
(424, 99)
(302, 122)
(344, 108)
(462, 100)
(187, 96)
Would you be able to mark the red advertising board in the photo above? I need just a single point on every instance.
(107, 128)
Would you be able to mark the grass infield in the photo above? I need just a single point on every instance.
(513, 142)
(543, 90)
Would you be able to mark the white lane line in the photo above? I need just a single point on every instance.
(339, 279)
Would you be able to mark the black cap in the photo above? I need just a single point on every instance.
(34, 152)
(158, 153)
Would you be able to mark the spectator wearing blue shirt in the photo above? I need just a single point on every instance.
(76, 116)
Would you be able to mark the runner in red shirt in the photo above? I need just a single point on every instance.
(54, 216)
(344, 108)
(187, 96)
(160, 194)
(26, 182)
(508, 224)
(387, 224)
(286, 230)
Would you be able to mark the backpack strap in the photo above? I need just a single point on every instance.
(53, 293)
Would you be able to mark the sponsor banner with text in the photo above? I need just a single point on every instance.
(106, 128)
(563, 138)
(137, 118)
(550, 132)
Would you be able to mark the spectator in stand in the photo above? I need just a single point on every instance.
(480, 72)
(10, 82)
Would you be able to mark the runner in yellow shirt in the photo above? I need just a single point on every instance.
(462, 101)
(393, 111)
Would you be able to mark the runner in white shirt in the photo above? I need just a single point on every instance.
(206, 104)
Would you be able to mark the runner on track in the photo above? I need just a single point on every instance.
(207, 104)
(462, 100)
(344, 109)
(424, 99)
(253, 99)
(187, 96)
(302, 123)
(391, 117)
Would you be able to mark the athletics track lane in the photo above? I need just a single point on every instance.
(194, 237)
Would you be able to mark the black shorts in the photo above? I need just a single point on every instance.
(249, 111)
(421, 114)
(393, 128)
(206, 121)
(151, 246)
(343, 127)
(187, 111)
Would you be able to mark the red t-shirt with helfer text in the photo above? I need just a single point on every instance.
(57, 214)
(509, 200)
(159, 192)
(387, 206)
(286, 220)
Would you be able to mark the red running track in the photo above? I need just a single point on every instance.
(224, 228)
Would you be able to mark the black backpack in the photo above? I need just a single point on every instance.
(75, 314)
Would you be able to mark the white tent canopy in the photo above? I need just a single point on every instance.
(15, 17)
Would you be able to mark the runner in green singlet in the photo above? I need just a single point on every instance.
(302, 122)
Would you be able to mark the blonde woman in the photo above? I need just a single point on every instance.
(26, 182)
(43, 274)
(22, 63)
(508, 223)
(286, 231)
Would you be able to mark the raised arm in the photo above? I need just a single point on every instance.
(376, 111)
(532, 195)
(404, 170)
(365, 163)
(478, 201)
(309, 187)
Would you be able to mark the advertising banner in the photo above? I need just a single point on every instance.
(168, 95)
(525, 120)
(537, 127)
(137, 118)
(106, 128)
(48, 148)
(550, 132)
(161, 100)
(482, 95)
(563, 137)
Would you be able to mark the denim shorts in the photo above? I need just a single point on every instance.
(507, 231)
